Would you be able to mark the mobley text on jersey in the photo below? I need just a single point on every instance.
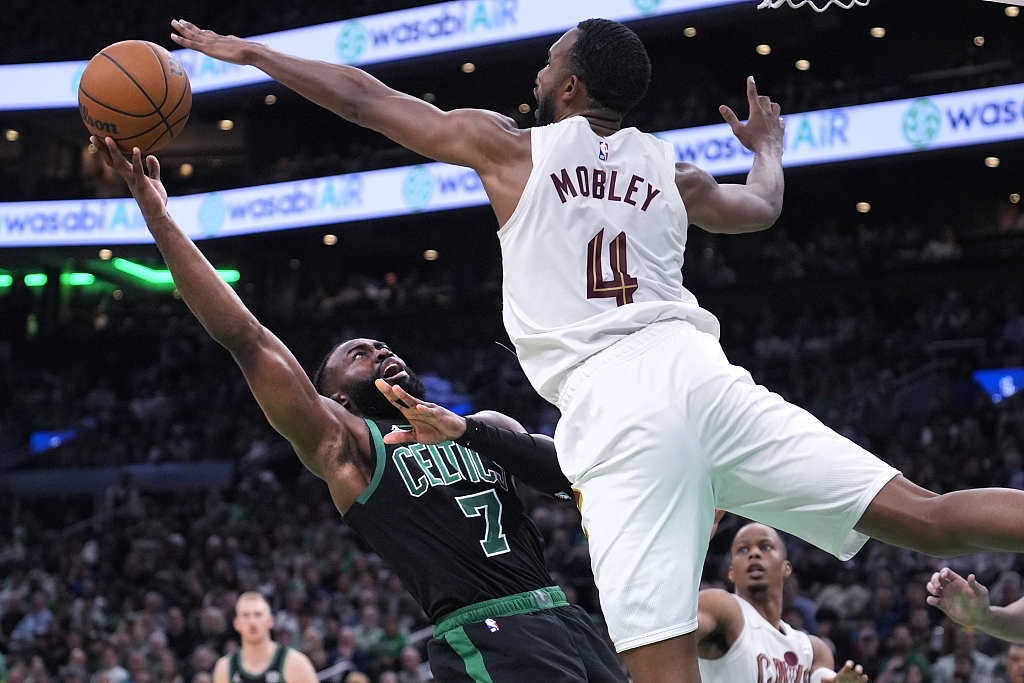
(594, 182)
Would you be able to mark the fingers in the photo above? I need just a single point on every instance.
(729, 116)
(978, 589)
(393, 396)
(400, 436)
(112, 155)
(776, 109)
(751, 91)
(153, 166)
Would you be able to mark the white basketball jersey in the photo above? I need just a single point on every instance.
(594, 250)
(762, 654)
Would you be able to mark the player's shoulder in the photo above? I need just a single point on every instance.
(297, 667)
(220, 669)
(721, 603)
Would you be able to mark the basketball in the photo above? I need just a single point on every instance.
(136, 93)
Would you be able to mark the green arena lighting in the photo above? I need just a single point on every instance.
(77, 279)
(163, 277)
(35, 279)
(6, 280)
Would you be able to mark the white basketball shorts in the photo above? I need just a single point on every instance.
(657, 432)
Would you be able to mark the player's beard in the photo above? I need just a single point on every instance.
(370, 403)
(546, 109)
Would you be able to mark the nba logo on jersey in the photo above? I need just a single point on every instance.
(602, 150)
(491, 624)
(273, 677)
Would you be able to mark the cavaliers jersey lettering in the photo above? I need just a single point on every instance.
(762, 654)
(274, 673)
(594, 250)
(587, 178)
(449, 523)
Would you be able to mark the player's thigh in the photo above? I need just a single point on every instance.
(646, 497)
(523, 647)
(778, 464)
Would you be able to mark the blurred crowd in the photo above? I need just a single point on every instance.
(875, 327)
(878, 341)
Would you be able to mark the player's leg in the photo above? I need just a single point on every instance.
(955, 523)
(668, 661)
(647, 499)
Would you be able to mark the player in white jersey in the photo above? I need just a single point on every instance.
(741, 637)
(658, 429)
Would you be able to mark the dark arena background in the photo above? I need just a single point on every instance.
(141, 488)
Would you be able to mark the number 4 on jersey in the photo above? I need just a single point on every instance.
(621, 285)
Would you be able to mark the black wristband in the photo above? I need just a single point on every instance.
(529, 458)
(473, 429)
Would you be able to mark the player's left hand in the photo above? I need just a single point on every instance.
(431, 423)
(230, 49)
(848, 674)
(143, 181)
(965, 600)
(764, 129)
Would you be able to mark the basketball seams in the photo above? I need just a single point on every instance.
(156, 109)
(105, 81)
(163, 72)
(116, 111)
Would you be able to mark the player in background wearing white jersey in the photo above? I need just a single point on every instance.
(966, 602)
(741, 637)
(658, 430)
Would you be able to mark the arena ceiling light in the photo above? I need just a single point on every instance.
(6, 280)
(878, 32)
(163, 277)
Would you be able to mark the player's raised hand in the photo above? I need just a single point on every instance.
(225, 48)
(848, 674)
(764, 128)
(143, 180)
(431, 423)
(965, 601)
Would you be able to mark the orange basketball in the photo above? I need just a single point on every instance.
(137, 93)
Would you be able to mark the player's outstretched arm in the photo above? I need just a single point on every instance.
(530, 458)
(719, 618)
(467, 137)
(824, 661)
(966, 602)
(740, 208)
(275, 377)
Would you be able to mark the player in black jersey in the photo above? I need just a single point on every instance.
(260, 659)
(445, 517)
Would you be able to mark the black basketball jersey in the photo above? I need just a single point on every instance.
(449, 523)
(274, 673)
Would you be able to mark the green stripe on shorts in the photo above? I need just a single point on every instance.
(471, 656)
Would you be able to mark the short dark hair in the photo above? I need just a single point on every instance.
(318, 376)
(611, 62)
